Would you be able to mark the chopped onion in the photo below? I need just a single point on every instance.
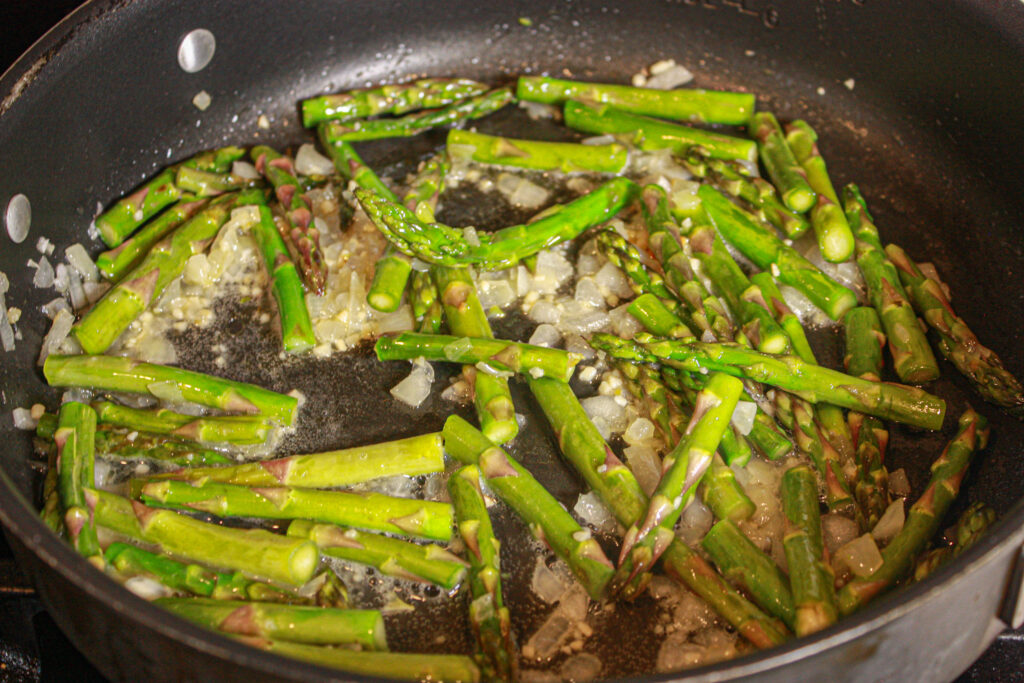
(545, 583)
(743, 416)
(76, 291)
(890, 523)
(592, 511)
(59, 329)
(837, 531)
(415, 388)
(6, 331)
(670, 75)
(545, 335)
(308, 161)
(243, 169)
(543, 644)
(607, 409)
(646, 466)
(613, 281)
(624, 325)
(544, 312)
(539, 110)
(639, 431)
(588, 293)
(146, 588)
(599, 140)
(553, 266)
(23, 419)
(80, 261)
(44, 274)
(860, 556)
(581, 668)
(496, 293)
(899, 485)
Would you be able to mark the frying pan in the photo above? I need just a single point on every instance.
(921, 103)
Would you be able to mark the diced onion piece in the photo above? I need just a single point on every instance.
(202, 100)
(645, 464)
(606, 139)
(743, 416)
(837, 531)
(580, 668)
(545, 583)
(860, 556)
(59, 329)
(899, 485)
(667, 75)
(308, 161)
(639, 431)
(890, 523)
(415, 388)
(545, 335)
(243, 169)
(44, 274)
(23, 419)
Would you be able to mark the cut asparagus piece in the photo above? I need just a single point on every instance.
(51, 512)
(109, 373)
(115, 262)
(239, 429)
(390, 276)
(567, 157)
(424, 93)
(652, 134)
(127, 214)
(683, 469)
(208, 183)
(768, 252)
(689, 104)
(126, 301)
(412, 456)
(426, 304)
(745, 564)
(957, 342)
(787, 174)
(491, 396)
(255, 552)
(495, 355)
(363, 510)
(548, 520)
(656, 317)
(403, 666)
(75, 439)
(971, 526)
(123, 444)
(488, 614)
(295, 623)
(723, 494)
(466, 109)
(810, 576)
(924, 517)
(393, 557)
(908, 405)
(911, 354)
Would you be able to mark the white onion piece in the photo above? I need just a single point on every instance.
(899, 485)
(308, 161)
(23, 419)
(607, 409)
(588, 293)
(581, 668)
(890, 523)
(6, 331)
(545, 583)
(837, 531)
(592, 511)
(545, 335)
(59, 329)
(624, 325)
(146, 588)
(496, 293)
(539, 110)
(543, 644)
(672, 77)
(613, 281)
(60, 278)
(860, 556)
(645, 465)
(743, 416)
(599, 140)
(415, 388)
(544, 312)
(44, 274)
(80, 261)
(639, 431)
(554, 266)
(76, 291)
(243, 169)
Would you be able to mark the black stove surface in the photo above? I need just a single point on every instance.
(32, 648)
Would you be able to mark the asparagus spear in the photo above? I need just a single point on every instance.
(446, 246)
(912, 356)
(683, 469)
(295, 623)
(391, 556)
(109, 373)
(301, 236)
(253, 551)
(548, 520)
(488, 614)
(810, 576)
(656, 317)
(426, 305)
(957, 342)
(743, 298)
(864, 342)
(567, 157)
(388, 99)
(491, 396)
(76, 429)
(908, 405)
(412, 456)
(787, 174)
(745, 564)
(496, 355)
(129, 560)
(115, 262)
(970, 527)
(296, 327)
(723, 494)
(364, 510)
(651, 134)
(466, 109)
(51, 512)
(400, 665)
(691, 104)
(122, 304)
(208, 183)
(924, 517)
(240, 429)
(126, 444)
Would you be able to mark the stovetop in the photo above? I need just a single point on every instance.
(32, 648)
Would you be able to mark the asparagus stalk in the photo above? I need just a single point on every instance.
(656, 317)
(810, 576)
(123, 444)
(240, 429)
(567, 157)
(908, 405)
(426, 306)
(970, 527)
(391, 556)
(723, 494)
(412, 456)
(835, 240)
(698, 105)
(51, 512)
(296, 327)
(548, 520)
(466, 109)
(787, 174)
(115, 262)
(494, 355)
(255, 552)
(957, 342)
(864, 342)
(924, 517)
(684, 467)
(76, 429)
(295, 623)
(442, 245)
(301, 235)
(488, 614)
(491, 396)
(109, 373)
(364, 510)
(208, 183)
(352, 167)
(745, 564)
(126, 301)
(388, 99)
(770, 253)
(403, 666)
(912, 356)
(130, 560)
(651, 134)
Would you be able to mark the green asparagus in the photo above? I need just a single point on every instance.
(76, 429)
(567, 157)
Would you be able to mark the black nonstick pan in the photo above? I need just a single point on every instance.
(921, 103)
